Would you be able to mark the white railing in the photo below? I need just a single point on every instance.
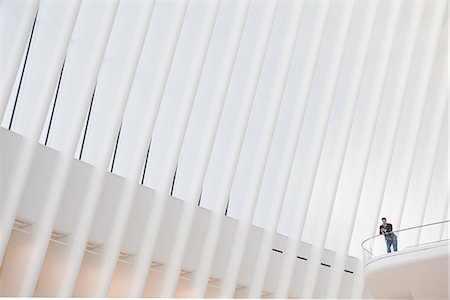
(407, 238)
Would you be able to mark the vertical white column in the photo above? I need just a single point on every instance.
(143, 105)
(242, 89)
(270, 89)
(302, 94)
(181, 87)
(442, 96)
(45, 61)
(437, 198)
(292, 136)
(94, 20)
(419, 99)
(333, 169)
(268, 98)
(399, 98)
(386, 132)
(213, 87)
(371, 114)
(115, 80)
(16, 21)
(329, 91)
(330, 82)
(425, 156)
(358, 281)
(138, 284)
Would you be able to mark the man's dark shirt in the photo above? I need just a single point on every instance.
(388, 229)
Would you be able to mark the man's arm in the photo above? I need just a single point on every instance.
(389, 228)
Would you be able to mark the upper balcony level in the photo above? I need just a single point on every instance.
(418, 270)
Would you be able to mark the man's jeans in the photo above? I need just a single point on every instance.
(392, 242)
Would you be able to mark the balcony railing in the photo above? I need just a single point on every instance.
(407, 238)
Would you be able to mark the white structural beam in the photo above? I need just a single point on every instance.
(114, 84)
(367, 131)
(212, 88)
(325, 105)
(328, 96)
(408, 146)
(268, 100)
(16, 21)
(142, 108)
(240, 93)
(425, 157)
(335, 146)
(438, 175)
(52, 36)
(42, 229)
(181, 87)
(270, 93)
(387, 127)
(89, 39)
(301, 93)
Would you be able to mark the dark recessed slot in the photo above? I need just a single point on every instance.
(276, 250)
(325, 265)
(299, 257)
(348, 271)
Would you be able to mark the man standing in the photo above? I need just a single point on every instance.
(390, 237)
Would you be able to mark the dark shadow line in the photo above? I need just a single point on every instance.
(23, 72)
(54, 103)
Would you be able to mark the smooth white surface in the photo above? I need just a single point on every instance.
(401, 274)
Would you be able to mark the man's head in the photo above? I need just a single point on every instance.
(384, 221)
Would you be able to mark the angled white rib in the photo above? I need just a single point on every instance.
(325, 113)
(268, 98)
(142, 108)
(182, 85)
(437, 202)
(15, 26)
(441, 94)
(242, 89)
(399, 98)
(45, 60)
(302, 93)
(272, 86)
(82, 66)
(370, 115)
(212, 88)
(425, 157)
(42, 229)
(325, 108)
(332, 168)
(230, 276)
(383, 150)
(419, 98)
(115, 79)
(140, 271)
